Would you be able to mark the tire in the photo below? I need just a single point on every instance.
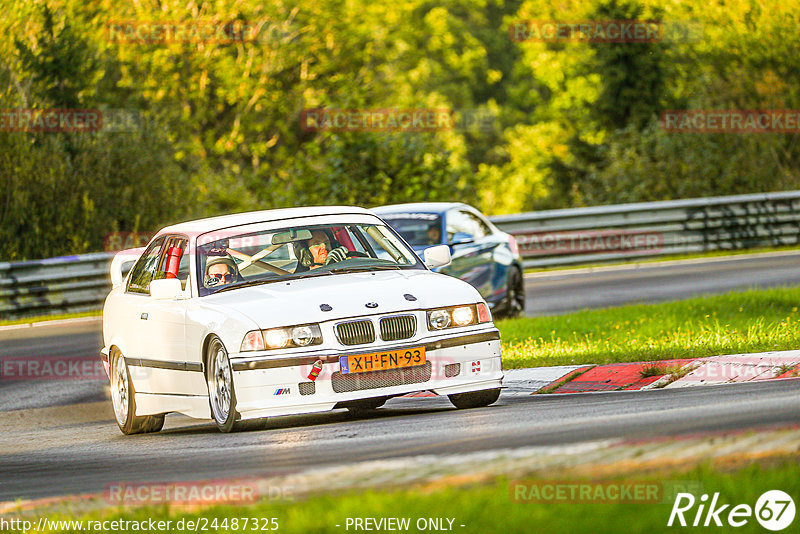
(514, 303)
(123, 399)
(475, 399)
(366, 405)
(221, 393)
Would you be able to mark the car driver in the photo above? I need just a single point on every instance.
(318, 251)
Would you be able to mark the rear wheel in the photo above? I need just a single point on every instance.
(221, 393)
(475, 399)
(124, 401)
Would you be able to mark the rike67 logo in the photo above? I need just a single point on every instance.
(774, 510)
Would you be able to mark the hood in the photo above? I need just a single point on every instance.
(299, 301)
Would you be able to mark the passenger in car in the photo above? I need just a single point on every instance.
(221, 271)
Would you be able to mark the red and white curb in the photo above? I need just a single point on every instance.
(740, 368)
(527, 381)
(686, 372)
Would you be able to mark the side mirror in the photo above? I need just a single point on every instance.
(437, 256)
(462, 238)
(166, 289)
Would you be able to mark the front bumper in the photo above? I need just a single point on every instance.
(280, 385)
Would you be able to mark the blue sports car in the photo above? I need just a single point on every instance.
(482, 255)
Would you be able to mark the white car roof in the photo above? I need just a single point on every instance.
(240, 219)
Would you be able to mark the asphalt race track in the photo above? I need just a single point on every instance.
(84, 457)
(59, 436)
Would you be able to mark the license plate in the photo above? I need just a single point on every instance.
(381, 361)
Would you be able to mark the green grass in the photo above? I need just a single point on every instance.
(749, 321)
(652, 370)
(491, 506)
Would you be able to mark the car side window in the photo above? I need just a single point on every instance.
(357, 239)
(481, 228)
(183, 268)
(174, 260)
(458, 222)
(144, 270)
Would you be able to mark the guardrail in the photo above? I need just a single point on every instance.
(624, 232)
(628, 232)
(57, 285)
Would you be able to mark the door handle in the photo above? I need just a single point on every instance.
(143, 317)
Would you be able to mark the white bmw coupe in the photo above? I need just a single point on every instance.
(243, 317)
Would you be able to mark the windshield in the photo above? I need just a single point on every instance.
(418, 229)
(298, 252)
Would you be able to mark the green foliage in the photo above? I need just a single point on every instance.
(56, 203)
(576, 123)
(632, 79)
(58, 63)
(368, 169)
(592, 135)
(649, 164)
(63, 192)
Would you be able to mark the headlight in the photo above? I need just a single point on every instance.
(302, 335)
(439, 319)
(279, 338)
(463, 315)
(276, 338)
(456, 316)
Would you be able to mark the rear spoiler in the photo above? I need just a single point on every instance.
(122, 263)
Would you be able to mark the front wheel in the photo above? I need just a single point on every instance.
(221, 393)
(515, 294)
(475, 399)
(123, 398)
